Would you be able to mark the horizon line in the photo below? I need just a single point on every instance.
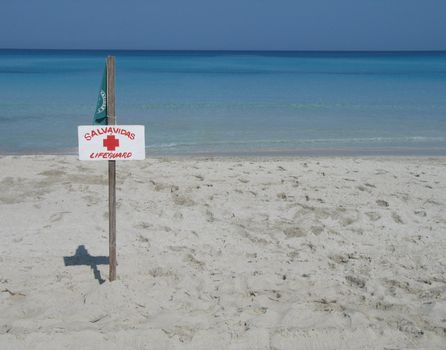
(220, 50)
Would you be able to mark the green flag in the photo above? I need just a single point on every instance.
(100, 114)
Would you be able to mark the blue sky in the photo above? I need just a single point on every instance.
(224, 24)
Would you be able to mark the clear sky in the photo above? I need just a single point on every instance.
(224, 24)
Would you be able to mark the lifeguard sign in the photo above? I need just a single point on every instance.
(111, 142)
(107, 141)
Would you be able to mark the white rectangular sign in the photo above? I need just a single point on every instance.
(111, 142)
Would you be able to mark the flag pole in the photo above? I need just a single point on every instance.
(111, 120)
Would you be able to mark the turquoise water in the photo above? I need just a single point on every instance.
(231, 102)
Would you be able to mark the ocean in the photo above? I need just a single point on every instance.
(231, 103)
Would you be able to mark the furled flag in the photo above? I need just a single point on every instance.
(100, 114)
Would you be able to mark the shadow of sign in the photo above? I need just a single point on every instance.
(81, 257)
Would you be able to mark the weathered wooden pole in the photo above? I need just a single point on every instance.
(111, 170)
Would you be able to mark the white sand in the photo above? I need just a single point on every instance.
(225, 254)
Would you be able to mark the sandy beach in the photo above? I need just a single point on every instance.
(304, 253)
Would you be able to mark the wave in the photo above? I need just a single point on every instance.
(353, 140)
(285, 105)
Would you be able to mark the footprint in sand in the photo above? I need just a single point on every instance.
(317, 230)
(144, 225)
(159, 187)
(58, 216)
(189, 258)
(381, 172)
(356, 281)
(282, 195)
(209, 216)
(293, 232)
(178, 215)
(373, 216)
(362, 189)
(382, 203)
(91, 200)
(397, 218)
(53, 173)
(182, 200)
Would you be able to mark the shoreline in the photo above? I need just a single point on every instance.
(301, 153)
(227, 158)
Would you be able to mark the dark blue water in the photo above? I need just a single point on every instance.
(231, 102)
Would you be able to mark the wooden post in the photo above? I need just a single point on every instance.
(111, 170)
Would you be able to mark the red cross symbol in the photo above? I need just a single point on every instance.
(110, 142)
